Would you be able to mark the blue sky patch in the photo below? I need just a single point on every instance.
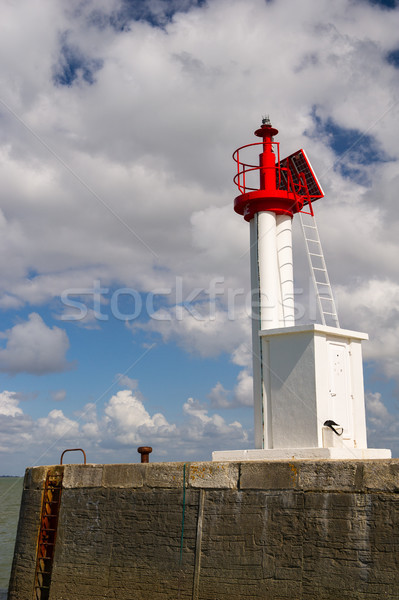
(354, 149)
(393, 58)
(384, 3)
(156, 14)
(73, 64)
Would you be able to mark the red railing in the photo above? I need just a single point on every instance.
(284, 179)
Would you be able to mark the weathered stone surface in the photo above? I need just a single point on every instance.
(23, 568)
(35, 478)
(381, 475)
(169, 475)
(340, 475)
(213, 475)
(268, 475)
(83, 476)
(123, 476)
(300, 530)
(128, 540)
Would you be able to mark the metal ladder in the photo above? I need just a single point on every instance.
(47, 533)
(317, 264)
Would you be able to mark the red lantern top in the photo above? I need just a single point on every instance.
(285, 186)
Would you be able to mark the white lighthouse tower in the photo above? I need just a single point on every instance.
(308, 379)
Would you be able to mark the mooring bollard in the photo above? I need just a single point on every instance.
(145, 453)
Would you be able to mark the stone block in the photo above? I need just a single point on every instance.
(162, 475)
(325, 475)
(269, 475)
(382, 475)
(35, 478)
(213, 475)
(87, 476)
(123, 475)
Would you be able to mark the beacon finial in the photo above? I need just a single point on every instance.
(266, 130)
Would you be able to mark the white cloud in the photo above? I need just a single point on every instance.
(242, 355)
(15, 430)
(377, 412)
(202, 426)
(200, 327)
(126, 382)
(33, 347)
(82, 315)
(382, 424)
(372, 306)
(219, 396)
(243, 389)
(9, 404)
(127, 422)
(56, 426)
(58, 395)
(241, 395)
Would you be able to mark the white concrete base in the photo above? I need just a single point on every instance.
(310, 374)
(301, 454)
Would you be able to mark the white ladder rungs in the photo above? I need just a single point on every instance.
(328, 317)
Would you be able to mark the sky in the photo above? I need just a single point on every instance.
(124, 287)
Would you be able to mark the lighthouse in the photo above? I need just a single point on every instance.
(307, 379)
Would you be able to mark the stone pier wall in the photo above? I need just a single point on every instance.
(217, 531)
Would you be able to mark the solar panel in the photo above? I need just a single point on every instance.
(298, 163)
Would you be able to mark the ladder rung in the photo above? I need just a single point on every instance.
(320, 269)
(42, 587)
(47, 544)
(314, 254)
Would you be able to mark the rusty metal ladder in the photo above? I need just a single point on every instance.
(47, 533)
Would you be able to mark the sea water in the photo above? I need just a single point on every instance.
(10, 500)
